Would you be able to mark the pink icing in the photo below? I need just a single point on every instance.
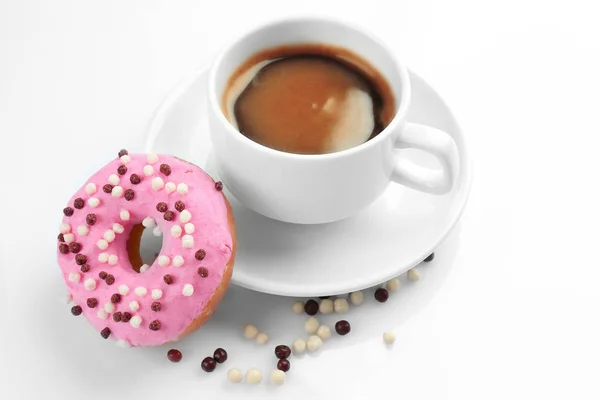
(209, 217)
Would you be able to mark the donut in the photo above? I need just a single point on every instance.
(99, 239)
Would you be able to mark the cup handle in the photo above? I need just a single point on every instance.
(435, 142)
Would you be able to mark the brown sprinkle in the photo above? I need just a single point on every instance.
(162, 207)
(179, 205)
(107, 188)
(168, 279)
(200, 254)
(165, 169)
(169, 216)
(76, 310)
(129, 194)
(123, 152)
(203, 272)
(68, 211)
(155, 325)
(156, 306)
(219, 185)
(105, 333)
(74, 247)
(85, 268)
(91, 219)
(109, 279)
(61, 237)
(122, 170)
(117, 316)
(125, 317)
(80, 259)
(78, 203)
(115, 298)
(63, 248)
(92, 302)
(102, 275)
(135, 179)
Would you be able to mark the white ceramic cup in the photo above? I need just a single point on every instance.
(310, 189)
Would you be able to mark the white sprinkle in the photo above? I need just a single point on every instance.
(253, 376)
(117, 191)
(157, 183)
(149, 222)
(157, 294)
(326, 306)
(141, 291)
(124, 290)
(178, 261)
(109, 307)
(189, 228)
(188, 290)
(124, 214)
(152, 158)
(299, 346)
(234, 375)
(89, 284)
(250, 331)
(134, 305)
(69, 238)
(93, 202)
(324, 332)
(170, 187)
(148, 170)
(125, 159)
(277, 377)
(90, 188)
(298, 307)
(122, 344)
(102, 244)
(314, 343)
(103, 257)
(185, 216)
(118, 228)
(357, 298)
(176, 230)
(83, 230)
(102, 314)
(65, 228)
(389, 337)
(413, 275)
(156, 231)
(311, 325)
(340, 306)
(109, 235)
(187, 242)
(182, 189)
(114, 179)
(74, 277)
(113, 259)
(136, 321)
(262, 338)
(163, 261)
(144, 268)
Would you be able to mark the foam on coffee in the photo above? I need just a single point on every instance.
(308, 99)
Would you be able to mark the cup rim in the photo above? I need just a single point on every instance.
(402, 109)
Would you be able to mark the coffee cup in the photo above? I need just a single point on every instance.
(320, 188)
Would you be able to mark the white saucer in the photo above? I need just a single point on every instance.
(394, 234)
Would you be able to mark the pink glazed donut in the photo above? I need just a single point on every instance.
(98, 249)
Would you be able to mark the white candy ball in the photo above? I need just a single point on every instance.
(234, 375)
(250, 332)
(277, 377)
(298, 307)
(299, 346)
(340, 306)
(389, 337)
(413, 275)
(393, 285)
(357, 298)
(311, 325)
(253, 376)
(324, 332)
(262, 338)
(314, 343)
(326, 306)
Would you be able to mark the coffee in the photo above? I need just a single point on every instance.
(308, 99)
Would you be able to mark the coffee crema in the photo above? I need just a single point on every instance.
(308, 99)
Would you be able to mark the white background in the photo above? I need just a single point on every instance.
(510, 307)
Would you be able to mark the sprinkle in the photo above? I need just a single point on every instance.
(393, 285)
(93, 202)
(107, 188)
(69, 238)
(89, 284)
(250, 331)
(74, 277)
(117, 316)
(157, 183)
(148, 170)
(118, 228)
(85, 268)
(125, 159)
(182, 189)
(68, 211)
(83, 230)
(90, 188)
(102, 314)
(203, 272)
(314, 343)
(311, 325)
(200, 254)
(169, 216)
(389, 337)
(134, 306)
(299, 346)
(234, 375)
(170, 187)
(78, 203)
(117, 191)
(152, 158)
(178, 261)
(102, 275)
(185, 216)
(122, 344)
(103, 257)
(326, 306)
(298, 307)
(340, 305)
(90, 219)
(176, 231)
(324, 332)
(188, 290)
(76, 310)
(65, 228)
(135, 179)
(92, 302)
(75, 247)
(154, 325)
(123, 290)
(277, 377)
(156, 294)
(163, 261)
(113, 259)
(156, 231)
(253, 376)
(162, 207)
(189, 228)
(126, 317)
(124, 215)
(109, 279)
(80, 259)
(187, 242)
(140, 291)
(102, 244)
(61, 237)
(123, 152)
(219, 186)
(129, 194)
(114, 179)
(122, 170)
(109, 235)
(144, 268)
(156, 306)
(357, 298)
(136, 321)
(115, 298)
(109, 307)
(413, 275)
(165, 169)
(168, 279)
(262, 338)
(149, 222)
(179, 205)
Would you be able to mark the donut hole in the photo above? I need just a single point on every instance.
(143, 246)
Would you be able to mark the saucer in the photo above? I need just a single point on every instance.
(388, 238)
